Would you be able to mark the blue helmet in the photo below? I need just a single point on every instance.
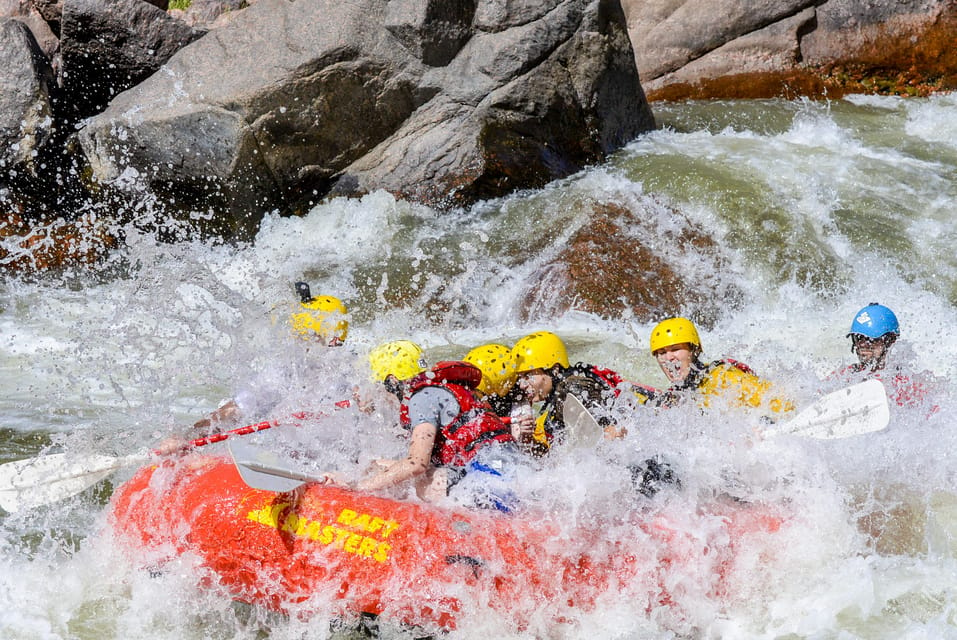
(875, 320)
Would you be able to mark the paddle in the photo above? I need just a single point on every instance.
(581, 428)
(45, 479)
(262, 469)
(855, 410)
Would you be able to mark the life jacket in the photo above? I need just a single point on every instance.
(719, 376)
(476, 425)
(734, 363)
(617, 383)
(548, 422)
(901, 389)
(700, 373)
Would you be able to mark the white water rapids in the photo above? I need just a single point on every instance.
(817, 208)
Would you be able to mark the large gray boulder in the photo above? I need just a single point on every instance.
(863, 26)
(435, 100)
(25, 114)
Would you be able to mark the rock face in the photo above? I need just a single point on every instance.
(25, 110)
(436, 101)
(741, 49)
(108, 47)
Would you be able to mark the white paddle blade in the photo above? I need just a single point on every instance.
(261, 469)
(581, 428)
(37, 481)
(856, 410)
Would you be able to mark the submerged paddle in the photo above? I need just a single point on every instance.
(852, 411)
(45, 479)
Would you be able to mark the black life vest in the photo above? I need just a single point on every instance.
(610, 383)
(457, 443)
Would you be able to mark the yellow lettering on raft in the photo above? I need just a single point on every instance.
(368, 548)
(366, 522)
(268, 515)
(346, 516)
(340, 538)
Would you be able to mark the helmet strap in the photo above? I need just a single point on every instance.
(305, 295)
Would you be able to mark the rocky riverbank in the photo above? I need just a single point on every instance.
(132, 110)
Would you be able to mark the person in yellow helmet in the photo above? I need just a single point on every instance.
(448, 421)
(545, 376)
(321, 317)
(322, 320)
(676, 346)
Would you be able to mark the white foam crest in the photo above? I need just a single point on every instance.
(933, 120)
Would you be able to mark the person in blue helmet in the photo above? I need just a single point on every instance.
(874, 330)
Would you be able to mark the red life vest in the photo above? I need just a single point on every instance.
(901, 389)
(457, 443)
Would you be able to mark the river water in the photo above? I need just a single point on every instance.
(818, 208)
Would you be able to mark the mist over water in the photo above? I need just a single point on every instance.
(817, 208)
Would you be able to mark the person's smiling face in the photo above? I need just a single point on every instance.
(675, 361)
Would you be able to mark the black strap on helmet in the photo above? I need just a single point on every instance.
(305, 295)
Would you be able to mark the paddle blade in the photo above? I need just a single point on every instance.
(37, 481)
(262, 469)
(856, 410)
(581, 428)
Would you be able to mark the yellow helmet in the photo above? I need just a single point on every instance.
(497, 365)
(540, 350)
(674, 331)
(324, 316)
(401, 358)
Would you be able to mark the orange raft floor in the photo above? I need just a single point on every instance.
(414, 563)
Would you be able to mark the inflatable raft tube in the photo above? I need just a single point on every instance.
(409, 562)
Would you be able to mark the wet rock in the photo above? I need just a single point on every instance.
(617, 266)
(51, 11)
(696, 49)
(30, 247)
(293, 101)
(108, 46)
(25, 109)
(669, 34)
(210, 14)
(764, 51)
(44, 33)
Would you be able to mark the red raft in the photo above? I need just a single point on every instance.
(414, 563)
